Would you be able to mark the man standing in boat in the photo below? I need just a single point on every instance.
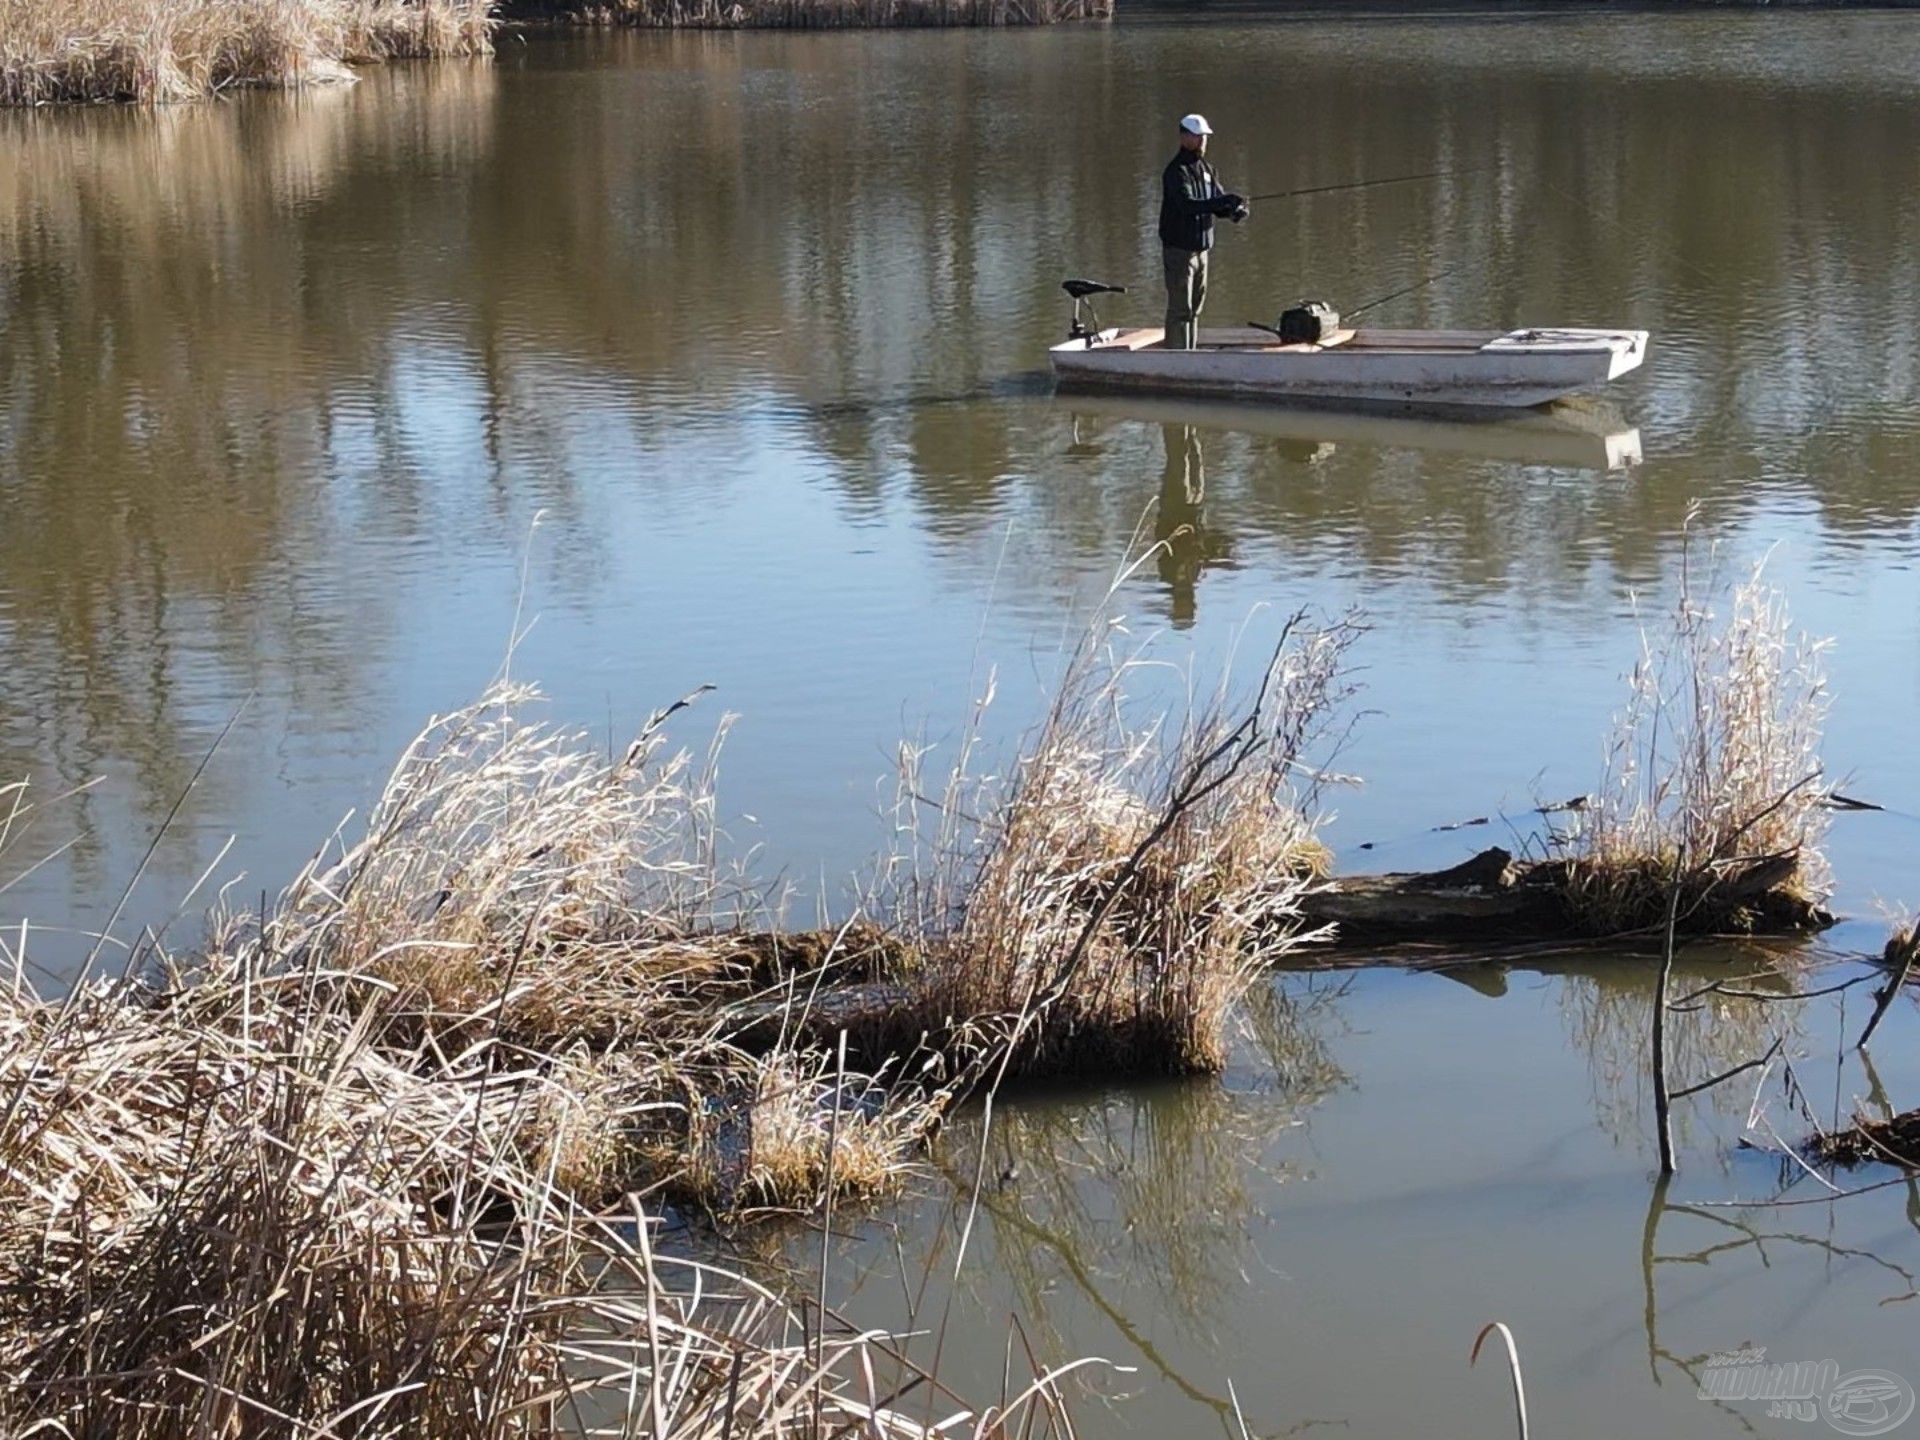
(1190, 198)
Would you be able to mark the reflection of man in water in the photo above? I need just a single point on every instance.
(1176, 525)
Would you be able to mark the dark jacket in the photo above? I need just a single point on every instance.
(1190, 196)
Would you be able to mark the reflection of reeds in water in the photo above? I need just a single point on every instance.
(174, 389)
(819, 14)
(1158, 1185)
(1157, 1188)
(1714, 774)
(1608, 1012)
(156, 51)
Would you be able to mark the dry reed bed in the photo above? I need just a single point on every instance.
(344, 1171)
(358, 1162)
(161, 51)
(1715, 805)
(1105, 906)
(229, 1211)
(813, 14)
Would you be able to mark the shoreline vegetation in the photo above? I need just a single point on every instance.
(807, 14)
(155, 52)
(55, 52)
(151, 52)
(391, 1153)
(386, 1154)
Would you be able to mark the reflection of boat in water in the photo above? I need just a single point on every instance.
(1570, 434)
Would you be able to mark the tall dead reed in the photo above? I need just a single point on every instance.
(1714, 784)
(226, 1210)
(160, 51)
(376, 1158)
(520, 898)
(223, 1211)
(1105, 905)
(357, 1166)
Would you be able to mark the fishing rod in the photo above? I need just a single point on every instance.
(1315, 323)
(1403, 290)
(1362, 184)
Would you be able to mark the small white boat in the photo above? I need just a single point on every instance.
(1393, 367)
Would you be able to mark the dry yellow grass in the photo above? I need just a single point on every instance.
(225, 1210)
(808, 1128)
(512, 877)
(1105, 906)
(367, 1162)
(818, 14)
(524, 905)
(348, 1168)
(221, 1204)
(160, 51)
(1713, 770)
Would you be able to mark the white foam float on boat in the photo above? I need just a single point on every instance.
(1398, 367)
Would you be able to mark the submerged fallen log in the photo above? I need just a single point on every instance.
(1888, 1142)
(1481, 900)
(809, 986)
(1494, 898)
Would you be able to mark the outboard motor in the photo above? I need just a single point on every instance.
(1081, 291)
(1311, 322)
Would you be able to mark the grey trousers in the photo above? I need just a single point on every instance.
(1186, 293)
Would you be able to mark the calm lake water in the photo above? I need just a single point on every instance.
(755, 326)
(1396, 1161)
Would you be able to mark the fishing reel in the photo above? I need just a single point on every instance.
(1082, 292)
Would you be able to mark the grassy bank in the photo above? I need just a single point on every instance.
(157, 51)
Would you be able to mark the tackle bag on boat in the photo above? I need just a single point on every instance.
(1309, 323)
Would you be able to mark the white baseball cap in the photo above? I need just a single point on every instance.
(1195, 125)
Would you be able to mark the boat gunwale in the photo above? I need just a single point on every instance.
(1245, 340)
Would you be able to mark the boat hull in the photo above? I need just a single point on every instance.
(1400, 367)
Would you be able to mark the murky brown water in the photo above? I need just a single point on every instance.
(756, 324)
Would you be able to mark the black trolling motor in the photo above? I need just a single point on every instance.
(1082, 292)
